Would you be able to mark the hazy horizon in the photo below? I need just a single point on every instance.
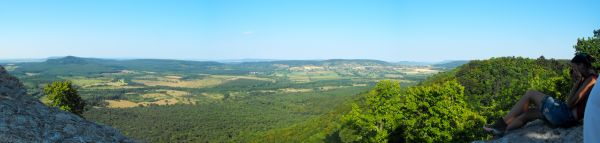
(225, 60)
(425, 31)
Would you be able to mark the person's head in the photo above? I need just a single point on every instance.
(581, 65)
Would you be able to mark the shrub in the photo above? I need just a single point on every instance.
(63, 95)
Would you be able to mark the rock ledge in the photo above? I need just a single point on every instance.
(538, 131)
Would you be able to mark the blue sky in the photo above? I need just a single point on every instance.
(396, 30)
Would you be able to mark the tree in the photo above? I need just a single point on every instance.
(438, 113)
(424, 113)
(63, 95)
(590, 45)
(377, 118)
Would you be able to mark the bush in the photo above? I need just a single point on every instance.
(377, 119)
(438, 113)
(63, 95)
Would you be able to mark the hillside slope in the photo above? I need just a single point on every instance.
(25, 119)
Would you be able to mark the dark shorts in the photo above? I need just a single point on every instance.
(557, 112)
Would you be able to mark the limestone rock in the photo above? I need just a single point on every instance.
(539, 131)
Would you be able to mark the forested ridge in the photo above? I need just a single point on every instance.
(453, 106)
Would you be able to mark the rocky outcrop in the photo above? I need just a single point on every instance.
(539, 132)
(26, 119)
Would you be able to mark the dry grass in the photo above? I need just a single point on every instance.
(173, 77)
(303, 77)
(115, 87)
(154, 95)
(393, 76)
(414, 71)
(163, 102)
(207, 82)
(299, 77)
(359, 84)
(230, 78)
(214, 96)
(129, 104)
(326, 88)
(162, 97)
(121, 104)
(210, 81)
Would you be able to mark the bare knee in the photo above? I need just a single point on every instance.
(528, 96)
(535, 96)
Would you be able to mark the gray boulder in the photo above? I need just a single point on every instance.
(539, 131)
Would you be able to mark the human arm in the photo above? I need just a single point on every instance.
(579, 91)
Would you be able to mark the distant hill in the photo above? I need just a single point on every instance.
(85, 66)
(413, 63)
(331, 62)
(443, 64)
(8, 61)
(450, 64)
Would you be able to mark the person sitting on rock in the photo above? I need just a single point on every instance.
(557, 113)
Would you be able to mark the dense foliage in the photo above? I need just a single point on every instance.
(590, 45)
(493, 86)
(63, 95)
(379, 117)
(434, 113)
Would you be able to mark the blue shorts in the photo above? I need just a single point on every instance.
(557, 112)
